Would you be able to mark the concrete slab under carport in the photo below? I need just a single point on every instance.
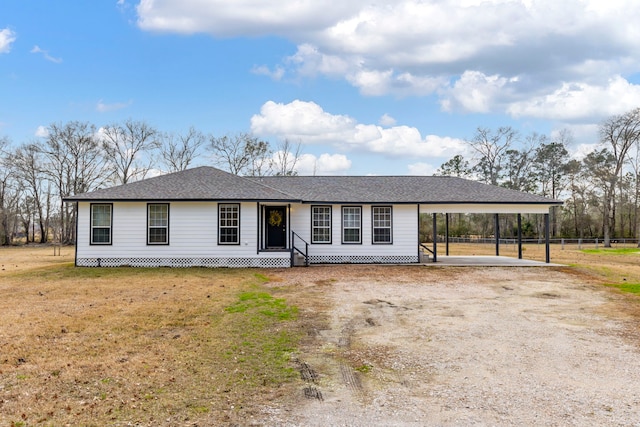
(487, 261)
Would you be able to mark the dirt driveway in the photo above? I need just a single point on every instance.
(405, 346)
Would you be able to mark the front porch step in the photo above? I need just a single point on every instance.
(298, 260)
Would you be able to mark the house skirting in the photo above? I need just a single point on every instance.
(262, 262)
(363, 259)
(185, 262)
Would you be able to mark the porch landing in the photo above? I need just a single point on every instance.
(487, 261)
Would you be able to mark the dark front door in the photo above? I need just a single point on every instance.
(276, 223)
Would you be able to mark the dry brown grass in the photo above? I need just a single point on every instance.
(84, 346)
(122, 346)
(603, 266)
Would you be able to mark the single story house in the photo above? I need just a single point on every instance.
(211, 218)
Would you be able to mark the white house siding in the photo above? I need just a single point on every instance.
(193, 238)
(404, 248)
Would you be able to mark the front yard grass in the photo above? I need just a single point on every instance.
(124, 346)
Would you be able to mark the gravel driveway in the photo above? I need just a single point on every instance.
(405, 346)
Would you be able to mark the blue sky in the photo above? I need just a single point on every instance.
(391, 87)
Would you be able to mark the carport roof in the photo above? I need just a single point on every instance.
(398, 189)
(208, 183)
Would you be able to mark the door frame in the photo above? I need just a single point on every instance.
(264, 225)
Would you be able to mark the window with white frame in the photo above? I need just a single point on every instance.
(101, 223)
(158, 224)
(381, 223)
(229, 224)
(351, 224)
(321, 224)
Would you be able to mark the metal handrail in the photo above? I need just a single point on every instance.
(426, 248)
(294, 248)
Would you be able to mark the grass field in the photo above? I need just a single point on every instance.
(617, 265)
(123, 346)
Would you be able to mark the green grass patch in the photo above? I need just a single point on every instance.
(364, 369)
(262, 344)
(612, 251)
(632, 288)
(263, 303)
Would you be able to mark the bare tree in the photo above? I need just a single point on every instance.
(128, 148)
(28, 160)
(260, 163)
(491, 148)
(576, 206)
(286, 157)
(74, 164)
(241, 154)
(618, 134)
(26, 213)
(179, 150)
(7, 192)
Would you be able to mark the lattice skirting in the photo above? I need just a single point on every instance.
(185, 262)
(363, 259)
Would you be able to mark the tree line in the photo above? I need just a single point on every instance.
(77, 157)
(601, 192)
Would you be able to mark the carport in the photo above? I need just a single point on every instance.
(494, 208)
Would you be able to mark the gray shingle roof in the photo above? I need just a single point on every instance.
(398, 189)
(202, 183)
(208, 183)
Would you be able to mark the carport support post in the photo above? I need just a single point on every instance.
(435, 238)
(546, 238)
(446, 234)
(497, 232)
(519, 236)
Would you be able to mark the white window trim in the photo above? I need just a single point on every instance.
(359, 227)
(222, 206)
(328, 227)
(374, 227)
(149, 226)
(109, 227)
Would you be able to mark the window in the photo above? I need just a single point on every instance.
(229, 229)
(381, 221)
(101, 224)
(158, 224)
(351, 224)
(321, 224)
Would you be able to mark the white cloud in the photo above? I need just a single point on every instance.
(326, 164)
(386, 120)
(7, 37)
(45, 54)
(308, 123)
(476, 92)
(299, 120)
(276, 74)
(101, 107)
(377, 83)
(241, 17)
(574, 101)
(42, 132)
(581, 151)
(421, 169)
(514, 56)
(309, 61)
